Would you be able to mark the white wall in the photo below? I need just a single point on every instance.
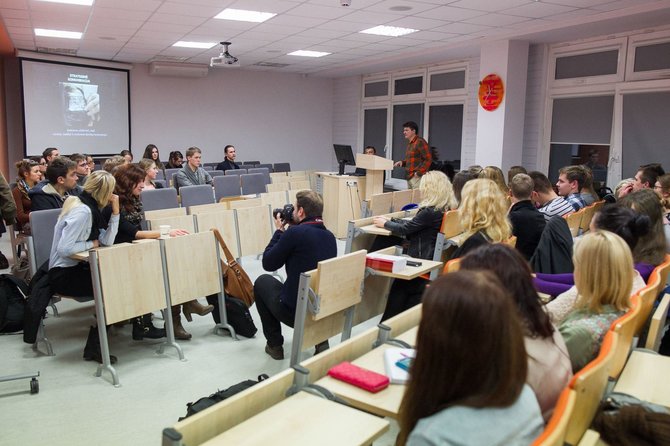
(536, 93)
(346, 112)
(470, 115)
(269, 117)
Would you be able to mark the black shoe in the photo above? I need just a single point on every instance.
(321, 347)
(92, 349)
(275, 352)
(143, 328)
(4, 263)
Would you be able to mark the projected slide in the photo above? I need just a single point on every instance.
(75, 108)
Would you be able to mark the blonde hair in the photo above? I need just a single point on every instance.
(603, 271)
(496, 174)
(146, 163)
(437, 191)
(99, 184)
(484, 208)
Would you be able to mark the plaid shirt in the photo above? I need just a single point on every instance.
(417, 157)
(576, 201)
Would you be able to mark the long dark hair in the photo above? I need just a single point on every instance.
(624, 222)
(127, 176)
(470, 349)
(147, 155)
(515, 274)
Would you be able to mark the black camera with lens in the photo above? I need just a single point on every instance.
(285, 214)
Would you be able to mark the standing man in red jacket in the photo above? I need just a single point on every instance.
(417, 157)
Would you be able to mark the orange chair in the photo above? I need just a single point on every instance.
(589, 385)
(647, 298)
(452, 265)
(625, 328)
(554, 432)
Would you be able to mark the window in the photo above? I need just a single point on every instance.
(376, 89)
(587, 63)
(649, 56)
(401, 114)
(445, 123)
(408, 85)
(374, 128)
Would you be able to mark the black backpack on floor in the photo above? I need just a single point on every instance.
(13, 292)
(205, 402)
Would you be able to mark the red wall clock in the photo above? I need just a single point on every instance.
(491, 92)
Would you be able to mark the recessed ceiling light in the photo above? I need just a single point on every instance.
(244, 15)
(305, 53)
(56, 33)
(185, 44)
(391, 31)
(71, 2)
(400, 8)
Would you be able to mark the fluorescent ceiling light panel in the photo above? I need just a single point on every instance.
(71, 2)
(243, 15)
(55, 33)
(391, 31)
(305, 53)
(185, 44)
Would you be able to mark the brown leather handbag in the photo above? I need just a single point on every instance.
(235, 280)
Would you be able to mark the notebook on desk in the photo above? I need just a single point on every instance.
(392, 356)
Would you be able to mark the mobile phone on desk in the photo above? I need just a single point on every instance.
(413, 263)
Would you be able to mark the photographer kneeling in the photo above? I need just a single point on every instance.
(300, 242)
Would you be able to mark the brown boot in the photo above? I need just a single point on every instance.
(196, 307)
(179, 331)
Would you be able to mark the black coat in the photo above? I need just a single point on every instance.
(226, 164)
(527, 225)
(554, 252)
(421, 231)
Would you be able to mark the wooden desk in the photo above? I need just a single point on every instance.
(341, 201)
(385, 403)
(374, 230)
(410, 272)
(644, 377)
(305, 419)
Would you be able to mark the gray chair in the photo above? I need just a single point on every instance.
(215, 173)
(262, 170)
(282, 167)
(268, 166)
(252, 183)
(195, 195)
(226, 186)
(208, 168)
(160, 175)
(42, 225)
(161, 182)
(235, 172)
(254, 163)
(154, 199)
(169, 174)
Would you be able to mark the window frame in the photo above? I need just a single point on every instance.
(566, 50)
(640, 40)
(407, 75)
(452, 68)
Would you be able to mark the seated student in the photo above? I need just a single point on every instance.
(569, 185)
(90, 162)
(527, 222)
(50, 154)
(483, 215)
(662, 189)
(549, 368)
(151, 152)
(299, 245)
(549, 204)
(81, 227)
(112, 163)
(460, 179)
(28, 176)
(175, 161)
(654, 245)
(127, 156)
(229, 161)
(192, 174)
(81, 167)
(496, 174)
(151, 171)
(622, 221)
(42, 163)
(588, 194)
(604, 280)
(466, 386)
(129, 185)
(513, 171)
(421, 232)
(645, 178)
(61, 182)
(7, 213)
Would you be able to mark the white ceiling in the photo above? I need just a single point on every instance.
(139, 31)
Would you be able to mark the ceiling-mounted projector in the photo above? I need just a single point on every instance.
(224, 59)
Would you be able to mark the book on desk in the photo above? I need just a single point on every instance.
(386, 262)
(394, 355)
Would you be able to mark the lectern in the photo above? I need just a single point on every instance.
(374, 178)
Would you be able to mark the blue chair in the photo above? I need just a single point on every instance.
(195, 195)
(154, 199)
(252, 183)
(226, 186)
